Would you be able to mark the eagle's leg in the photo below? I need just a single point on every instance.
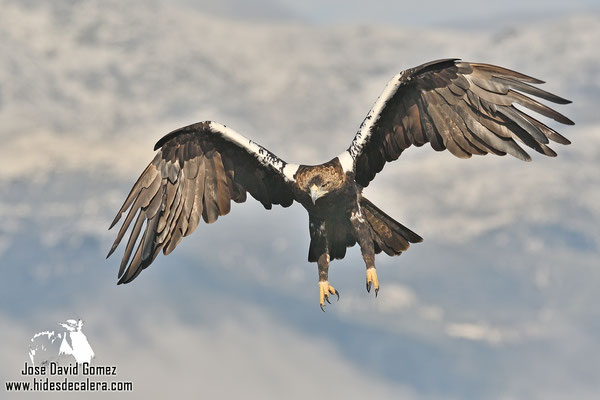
(325, 289)
(365, 241)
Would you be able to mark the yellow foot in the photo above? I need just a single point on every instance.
(325, 289)
(372, 280)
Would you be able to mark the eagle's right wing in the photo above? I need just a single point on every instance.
(198, 170)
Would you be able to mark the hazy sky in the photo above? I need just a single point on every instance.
(463, 13)
(498, 302)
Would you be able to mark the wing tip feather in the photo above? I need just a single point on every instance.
(418, 239)
(114, 222)
(521, 154)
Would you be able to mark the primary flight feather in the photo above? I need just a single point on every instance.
(467, 108)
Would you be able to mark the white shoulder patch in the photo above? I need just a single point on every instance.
(365, 130)
(264, 156)
(289, 170)
(347, 161)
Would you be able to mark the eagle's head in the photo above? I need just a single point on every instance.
(320, 180)
(319, 186)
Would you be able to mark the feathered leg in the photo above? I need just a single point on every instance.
(325, 289)
(319, 252)
(365, 241)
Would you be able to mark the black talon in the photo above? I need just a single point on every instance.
(337, 294)
(327, 299)
(376, 291)
(322, 308)
(369, 284)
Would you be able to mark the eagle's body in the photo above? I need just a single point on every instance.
(466, 108)
(343, 218)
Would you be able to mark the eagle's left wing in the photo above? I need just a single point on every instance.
(467, 108)
(196, 173)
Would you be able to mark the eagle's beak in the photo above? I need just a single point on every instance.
(316, 192)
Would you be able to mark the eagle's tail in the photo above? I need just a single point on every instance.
(388, 234)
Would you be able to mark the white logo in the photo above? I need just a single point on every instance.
(65, 346)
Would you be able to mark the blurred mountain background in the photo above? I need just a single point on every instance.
(499, 302)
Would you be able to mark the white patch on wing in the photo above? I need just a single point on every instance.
(264, 156)
(290, 170)
(364, 132)
(347, 161)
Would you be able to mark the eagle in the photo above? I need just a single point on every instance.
(465, 107)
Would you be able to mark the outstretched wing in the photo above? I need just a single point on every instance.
(467, 108)
(196, 173)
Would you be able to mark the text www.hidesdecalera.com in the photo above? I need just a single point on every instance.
(72, 378)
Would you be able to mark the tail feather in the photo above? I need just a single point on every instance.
(388, 234)
(340, 236)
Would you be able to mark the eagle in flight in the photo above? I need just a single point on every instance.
(467, 108)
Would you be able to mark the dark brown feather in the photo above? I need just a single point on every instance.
(195, 174)
(388, 235)
(211, 210)
(198, 206)
(137, 227)
(466, 108)
(222, 189)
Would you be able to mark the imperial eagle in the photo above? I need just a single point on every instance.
(466, 108)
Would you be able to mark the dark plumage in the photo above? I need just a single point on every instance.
(467, 108)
